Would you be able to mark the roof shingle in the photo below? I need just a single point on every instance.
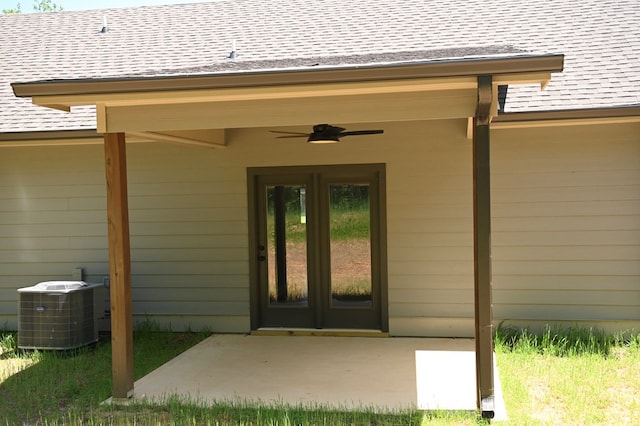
(600, 41)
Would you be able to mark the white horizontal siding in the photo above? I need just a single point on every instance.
(566, 229)
(577, 282)
(429, 208)
(430, 224)
(46, 228)
(227, 241)
(565, 217)
(234, 282)
(566, 223)
(54, 230)
(52, 218)
(436, 309)
(52, 255)
(568, 297)
(187, 222)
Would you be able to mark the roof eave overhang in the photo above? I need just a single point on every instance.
(365, 93)
(212, 139)
(285, 77)
(567, 117)
(50, 137)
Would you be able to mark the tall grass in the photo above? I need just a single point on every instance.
(562, 341)
(47, 384)
(569, 388)
(345, 224)
(176, 411)
(350, 224)
(7, 342)
(573, 375)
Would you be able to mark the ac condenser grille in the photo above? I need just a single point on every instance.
(59, 320)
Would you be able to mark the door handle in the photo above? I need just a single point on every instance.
(262, 257)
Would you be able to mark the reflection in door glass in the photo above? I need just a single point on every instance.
(350, 244)
(287, 245)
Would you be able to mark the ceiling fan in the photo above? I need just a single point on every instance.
(326, 133)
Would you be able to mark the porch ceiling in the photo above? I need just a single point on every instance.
(298, 105)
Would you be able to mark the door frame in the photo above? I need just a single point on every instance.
(379, 253)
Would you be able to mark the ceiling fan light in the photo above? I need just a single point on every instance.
(322, 139)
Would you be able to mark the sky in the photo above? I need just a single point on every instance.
(27, 5)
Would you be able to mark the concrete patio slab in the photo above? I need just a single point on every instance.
(341, 372)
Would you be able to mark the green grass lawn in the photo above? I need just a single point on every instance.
(573, 377)
(557, 377)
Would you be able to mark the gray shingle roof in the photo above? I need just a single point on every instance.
(600, 40)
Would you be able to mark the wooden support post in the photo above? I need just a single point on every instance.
(119, 265)
(482, 250)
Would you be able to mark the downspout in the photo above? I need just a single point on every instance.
(482, 249)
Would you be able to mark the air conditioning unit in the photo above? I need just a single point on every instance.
(59, 314)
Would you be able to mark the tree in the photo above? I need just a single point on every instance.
(46, 6)
(8, 11)
(38, 6)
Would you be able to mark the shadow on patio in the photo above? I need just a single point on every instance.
(342, 372)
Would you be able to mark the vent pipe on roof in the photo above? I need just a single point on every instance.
(233, 54)
(104, 29)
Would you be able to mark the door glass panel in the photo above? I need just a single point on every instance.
(350, 245)
(287, 245)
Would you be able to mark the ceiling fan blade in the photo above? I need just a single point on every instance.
(360, 132)
(324, 133)
(298, 134)
(292, 136)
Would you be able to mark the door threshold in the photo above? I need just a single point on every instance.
(334, 332)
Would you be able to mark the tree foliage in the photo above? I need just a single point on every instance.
(46, 6)
(9, 11)
(38, 6)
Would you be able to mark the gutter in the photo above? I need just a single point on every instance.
(569, 114)
(49, 134)
(50, 138)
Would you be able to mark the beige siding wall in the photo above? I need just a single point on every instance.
(189, 236)
(430, 232)
(52, 218)
(188, 229)
(429, 215)
(566, 223)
